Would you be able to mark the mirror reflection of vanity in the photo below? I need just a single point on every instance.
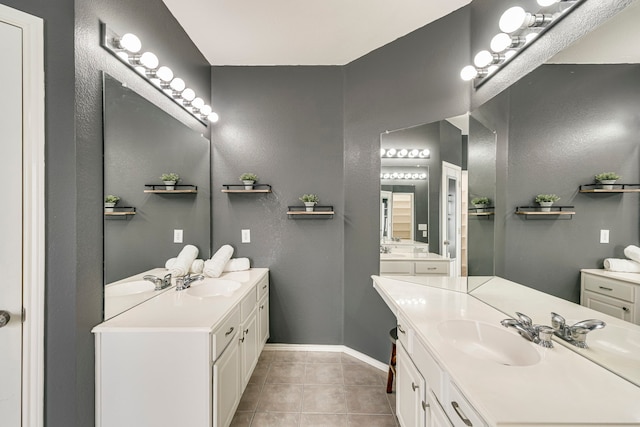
(141, 142)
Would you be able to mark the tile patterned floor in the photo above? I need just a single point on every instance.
(315, 389)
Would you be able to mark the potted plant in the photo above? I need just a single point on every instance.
(309, 201)
(546, 201)
(248, 179)
(170, 180)
(607, 179)
(109, 202)
(480, 203)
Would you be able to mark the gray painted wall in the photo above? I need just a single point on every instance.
(141, 142)
(285, 125)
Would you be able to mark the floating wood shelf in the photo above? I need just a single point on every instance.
(537, 212)
(486, 211)
(179, 189)
(487, 214)
(121, 211)
(616, 188)
(239, 188)
(318, 212)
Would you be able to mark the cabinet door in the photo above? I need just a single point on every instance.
(410, 392)
(436, 416)
(249, 347)
(611, 306)
(226, 385)
(263, 322)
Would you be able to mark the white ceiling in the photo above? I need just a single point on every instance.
(301, 32)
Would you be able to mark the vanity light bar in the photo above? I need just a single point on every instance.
(401, 175)
(519, 29)
(127, 49)
(405, 153)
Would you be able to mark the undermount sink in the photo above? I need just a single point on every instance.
(214, 288)
(488, 342)
(129, 288)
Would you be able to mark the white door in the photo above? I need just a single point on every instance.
(11, 248)
(451, 215)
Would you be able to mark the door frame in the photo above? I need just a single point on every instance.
(456, 264)
(33, 167)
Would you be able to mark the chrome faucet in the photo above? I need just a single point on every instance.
(185, 282)
(161, 283)
(385, 249)
(577, 333)
(537, 334)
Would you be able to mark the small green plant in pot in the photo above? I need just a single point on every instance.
(248, 179)
(170, 179)
(309, 201)
(480, 203)
(607, 179)
(110, 202)
(546, 201)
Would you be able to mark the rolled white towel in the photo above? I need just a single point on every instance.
(196, 266)
(237, 264)
(632, 252)
(214, 266)
(621, 265)
(182, 264)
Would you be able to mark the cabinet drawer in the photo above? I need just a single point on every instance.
(611, 306)
(429, 368)
(609, 287)
(460, 412)
(224, 333)
(396, 267)
(440, 267)
(263, 287)
(248, 304)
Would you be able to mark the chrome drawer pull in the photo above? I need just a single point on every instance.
(413, 386)
(432, 268)
(606, 289)
(264, 287)
(228, 332)
(464, 419)
(400, 329)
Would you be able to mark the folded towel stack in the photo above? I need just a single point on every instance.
(196, 266)
(237, 264)
(215, 266)
(183, 262)
(631, 265)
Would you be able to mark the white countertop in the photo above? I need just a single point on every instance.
(114, 305)
(627, 277)
(562, 389)
(173, 310)
(413, 256)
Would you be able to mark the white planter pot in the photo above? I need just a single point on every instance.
(479, 208)
(170, 185)
(108, 207)
(545, 206)
(248, 185)
(607, 184)
(310, 206)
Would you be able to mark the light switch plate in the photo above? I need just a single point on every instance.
(177, 236)
(422, 227)
(604, 236)
(246, 236)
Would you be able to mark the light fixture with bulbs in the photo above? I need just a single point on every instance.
(404, 176)
(405, 153)
(519, 29)
(127, 48)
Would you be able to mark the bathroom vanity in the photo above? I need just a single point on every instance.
(414, 263)
(182, 358)
(613, 293)
(456, 366)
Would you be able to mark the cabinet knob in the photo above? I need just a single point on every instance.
(625, 308)
(425, 405)
(4, 318)
(414, 386)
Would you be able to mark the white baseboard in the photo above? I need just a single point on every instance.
(330, 348)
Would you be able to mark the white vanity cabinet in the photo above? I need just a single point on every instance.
(263, 312)
(179, 359)
(616, 294)
(434, 267)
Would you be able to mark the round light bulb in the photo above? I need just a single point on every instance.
(402, 153)
(415, 176)
(197, 103)
(205, 110)
(177, 84)
(423, 176)
(391, 152)
(545, 3)
(414, 152)
(382, 152)
(149, 60)
(188, 94)
(425, 153)
(386, 176)
(513, 19)
(130, 43)
(401, 175)
(381, 175)
(394, 175)
(213, 117)
(500, 42)
(483, 59)
(468, 73)
(164, 74)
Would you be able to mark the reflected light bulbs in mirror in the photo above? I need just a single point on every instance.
(213, 117)
(402, 153)
(414, 152)
(394, 175)
(177, 84)
(513, 19)
(423, 176)
(468, 73)
(382, 152)
(197, 103)
(164, 74)
(501, 42)
(130, 42)
(205, 110)
(425, 153)
(391, 152)
(188, 94)
(483, 59)
(149, 60)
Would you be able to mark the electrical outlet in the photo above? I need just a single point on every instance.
(424, 234)
(246, 236)
(177, 236)
(604, 236)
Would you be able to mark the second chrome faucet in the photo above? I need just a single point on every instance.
(538, 334)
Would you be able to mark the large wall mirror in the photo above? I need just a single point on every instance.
(573, 117)
(141, 142)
